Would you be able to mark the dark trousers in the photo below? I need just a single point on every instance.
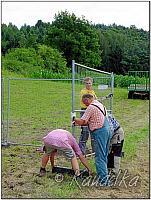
(84, 136)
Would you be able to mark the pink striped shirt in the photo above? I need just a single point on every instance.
(93, 116)
(60, 138)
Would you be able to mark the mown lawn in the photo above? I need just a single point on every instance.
(34, 113)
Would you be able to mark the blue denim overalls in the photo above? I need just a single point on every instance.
(102, 137)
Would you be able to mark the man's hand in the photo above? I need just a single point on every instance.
(73, 116)
(91, 173)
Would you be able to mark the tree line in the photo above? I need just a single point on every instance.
(52, 46)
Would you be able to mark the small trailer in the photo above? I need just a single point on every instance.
(138, 85)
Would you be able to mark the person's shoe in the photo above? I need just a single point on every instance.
(84, 173)
(42, 172)
(88, 151)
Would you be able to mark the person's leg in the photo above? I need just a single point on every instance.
(118, 146)
(92, 142)
(83, 139)
(44, 162)
(52, 158)
(45, 159)
(83, 136)
(117, 161)
(102, 140)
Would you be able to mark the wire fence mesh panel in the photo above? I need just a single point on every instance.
(139, 81)
(103, 83)
(33, 107)
(37, 107)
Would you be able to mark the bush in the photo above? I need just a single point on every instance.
(125, 81)
(49, 74)
(52, 59)
(21, 60)
(42, 63)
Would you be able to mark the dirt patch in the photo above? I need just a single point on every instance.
(21, 166)
(133, 181)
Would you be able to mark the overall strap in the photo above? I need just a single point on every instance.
(104, 113)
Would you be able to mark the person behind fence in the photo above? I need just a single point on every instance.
(88, 81)
(95, 117)
(116, 144)
(62, 142)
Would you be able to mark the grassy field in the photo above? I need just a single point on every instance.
(34, 112)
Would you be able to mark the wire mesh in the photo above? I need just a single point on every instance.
(103, 83)
(35, 107)
(139, 81)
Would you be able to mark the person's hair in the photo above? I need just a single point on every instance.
(89, 96)
(87, 79)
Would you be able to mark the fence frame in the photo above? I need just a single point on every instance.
(74, 64)
(6, 122)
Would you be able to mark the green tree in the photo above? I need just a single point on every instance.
(123, 49)
(41, 29)
(76, 38)
(22, 60)
(22, 40)
(136, 52)
(28, 61)
(52, 59)
(10, 36)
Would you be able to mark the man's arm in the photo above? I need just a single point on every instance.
(85, 163)
(79, 121)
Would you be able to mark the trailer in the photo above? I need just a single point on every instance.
(138, 85)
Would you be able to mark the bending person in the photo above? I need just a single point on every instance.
(62, 141)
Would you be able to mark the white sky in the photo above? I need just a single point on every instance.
(120, 13)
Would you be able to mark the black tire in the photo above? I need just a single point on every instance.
(130, 94)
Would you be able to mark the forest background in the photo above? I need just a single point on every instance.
(46, 50)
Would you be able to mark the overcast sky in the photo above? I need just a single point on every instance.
(120, 13)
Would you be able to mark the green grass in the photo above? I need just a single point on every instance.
(38, 107)
(132, 142)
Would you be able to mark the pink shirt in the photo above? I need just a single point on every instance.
(60, 138)
(93, 116)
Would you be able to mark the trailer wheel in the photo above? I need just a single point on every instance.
(145, 97)
(130, 94)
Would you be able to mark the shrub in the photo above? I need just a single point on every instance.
(49, 74)
(52, 59)
(43, 63)
(22, 61)
(125, 81)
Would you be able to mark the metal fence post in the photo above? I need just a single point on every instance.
(73, 93)
(73, 84)
(8, 110)
(5, 125)
(2, 116)
(112, 90)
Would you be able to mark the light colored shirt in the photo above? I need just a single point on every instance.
(93, 116)
(86, 91)
(60, 138)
